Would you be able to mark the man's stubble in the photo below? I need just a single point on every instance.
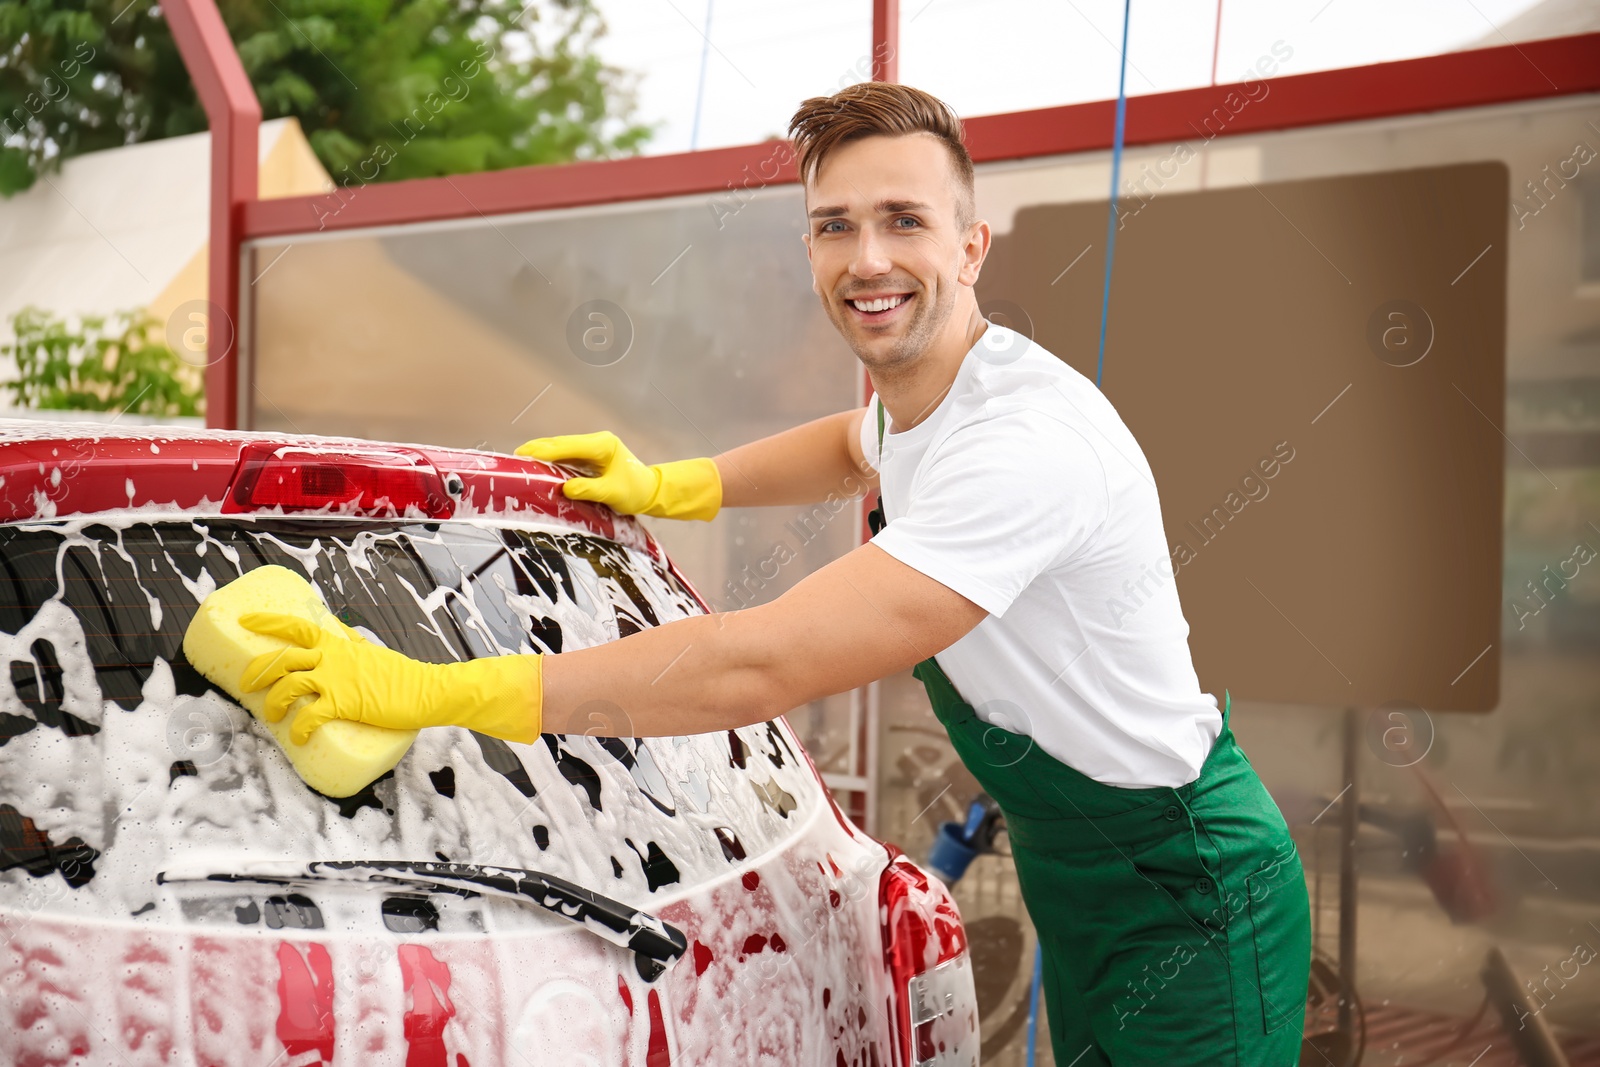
(926, 322)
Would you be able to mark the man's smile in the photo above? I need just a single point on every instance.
(878, 308)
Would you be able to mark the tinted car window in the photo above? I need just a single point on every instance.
(117, 760)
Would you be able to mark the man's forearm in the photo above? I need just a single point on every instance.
(798, 466)
(866, 615)
(693, 675)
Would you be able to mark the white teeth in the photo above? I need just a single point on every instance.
(883, 303)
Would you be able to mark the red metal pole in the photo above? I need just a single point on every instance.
(1216, 43)
(234, 115)
(885, 40)
(885, 68)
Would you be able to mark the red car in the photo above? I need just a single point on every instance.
(172, 893)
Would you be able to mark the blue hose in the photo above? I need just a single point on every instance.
(1116, 178)
(1105, 310)
(1033, 1002)
(700, 94)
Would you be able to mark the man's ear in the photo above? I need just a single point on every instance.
(974, 252)
(806, 239)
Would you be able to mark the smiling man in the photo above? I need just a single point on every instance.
(1015, 506)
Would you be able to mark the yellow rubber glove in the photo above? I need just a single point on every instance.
(498, 695)
(682, 489)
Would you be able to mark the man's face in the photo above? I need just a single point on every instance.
(888, 257)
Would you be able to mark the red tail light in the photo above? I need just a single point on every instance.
(933, 1006)
(377, 481)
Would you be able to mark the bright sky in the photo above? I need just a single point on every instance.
(986, 56)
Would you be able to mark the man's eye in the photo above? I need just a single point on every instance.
(827, 226)
(911, 222)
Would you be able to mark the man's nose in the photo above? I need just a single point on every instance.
(872, 255)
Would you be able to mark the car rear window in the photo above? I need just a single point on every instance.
(118, 760)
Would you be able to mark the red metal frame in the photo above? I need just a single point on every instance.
(1560, 66)
(1535, 69)
(234, 115)
(1433, 83)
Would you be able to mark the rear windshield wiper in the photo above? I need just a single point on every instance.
(655, 942)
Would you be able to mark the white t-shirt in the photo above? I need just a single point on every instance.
(1024, 492)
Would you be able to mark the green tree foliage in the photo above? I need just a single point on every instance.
(385, 89)
(96, 364)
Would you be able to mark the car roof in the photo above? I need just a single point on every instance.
(51, 470)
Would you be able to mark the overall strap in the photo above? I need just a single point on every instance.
(880, 433)
(883, 513)
(878, 517)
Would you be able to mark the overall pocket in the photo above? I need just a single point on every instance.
(1173, 861)
(1280, 926)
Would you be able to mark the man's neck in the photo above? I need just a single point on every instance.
(912, 393)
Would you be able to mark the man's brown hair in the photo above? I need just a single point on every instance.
(886, 109)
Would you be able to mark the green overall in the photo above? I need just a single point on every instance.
(1174, 923)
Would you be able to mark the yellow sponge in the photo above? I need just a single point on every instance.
(342, 757)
